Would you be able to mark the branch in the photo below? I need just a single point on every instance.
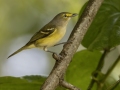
(109, 72)
(69, 49)
(68, 85)
(111, 69)
(98, 69)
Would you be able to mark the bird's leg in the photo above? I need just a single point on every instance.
(60, 43)
(54, 53)
(45, 49)
(63, 43)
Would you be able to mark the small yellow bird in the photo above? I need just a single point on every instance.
(50, 34)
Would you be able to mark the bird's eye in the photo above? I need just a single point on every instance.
(65, 15)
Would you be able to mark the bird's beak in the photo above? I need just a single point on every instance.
(74, 14)
(71, 14)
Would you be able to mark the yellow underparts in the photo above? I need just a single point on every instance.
(51, 40)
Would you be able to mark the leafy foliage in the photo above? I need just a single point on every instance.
(16, 83)
(81, 68)
(104, 33)
(23, 83)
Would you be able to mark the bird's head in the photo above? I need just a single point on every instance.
(63, 18)
(65, 15)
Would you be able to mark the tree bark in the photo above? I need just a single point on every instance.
(69, 49)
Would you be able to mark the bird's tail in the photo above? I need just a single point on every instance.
(19, 50)
(22, 48)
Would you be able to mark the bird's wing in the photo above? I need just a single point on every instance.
(44, 32)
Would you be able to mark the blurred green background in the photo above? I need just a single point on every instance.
(19, 20)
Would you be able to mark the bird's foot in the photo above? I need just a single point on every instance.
(57, 57)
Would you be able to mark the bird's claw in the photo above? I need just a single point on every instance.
(57, 57)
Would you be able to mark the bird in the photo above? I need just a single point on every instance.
(50, 34)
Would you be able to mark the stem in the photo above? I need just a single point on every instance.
(110, 70)
(99, 67)
(68, 85)
(112, 87)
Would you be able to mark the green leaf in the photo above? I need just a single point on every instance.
(82, 9)
(104, 32)
(23, 83)
(35, 78)
(81, 67)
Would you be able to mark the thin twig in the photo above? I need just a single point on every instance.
(112, 87)
(108, 73)
(102, 82)
(111, 69)
(68, 85)
(99, 67)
